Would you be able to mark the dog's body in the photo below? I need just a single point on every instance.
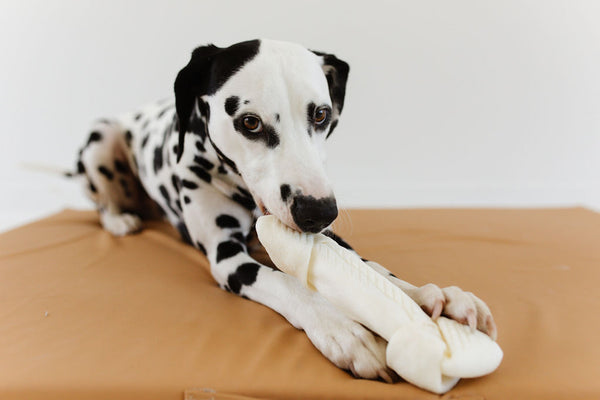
(245, 136)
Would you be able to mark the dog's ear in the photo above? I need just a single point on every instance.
(209, 68)
(336, 71)
(192, 82)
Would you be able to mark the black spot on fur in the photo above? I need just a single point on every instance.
(93, 188)
(145, 140)
(203, 162)
(185, 234)
(178, 205)
(80, 168)
(204, 109)
(285, 192)
(246, 101)
(186, 200)
(128, 138)
(201, 247)
(137, 116)
(176, 182)
(121, 167)
(94, 137)
(272, 137)
(338, 240)
(200, 146)
(197, 126)
(106, 172)
(244, 191)
(175, 149)
(165, 194)
(201, 173)
(228, 249)
(145, 124)
(244, 275)
(268, 135)
(189, 184)
(158, 159)
(231, 105)
(227, 221)
(222, 170)
(239, 236)
(244, 201)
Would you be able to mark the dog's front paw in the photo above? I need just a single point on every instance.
(456, 304)
(120, 224)
(350, 346)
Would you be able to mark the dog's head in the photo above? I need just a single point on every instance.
(269, 107)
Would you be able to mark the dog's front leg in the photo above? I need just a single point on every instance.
(450, 301)
(218, 226)
(345, 342)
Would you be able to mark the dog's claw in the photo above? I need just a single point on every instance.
(437, 309)
(472, 319)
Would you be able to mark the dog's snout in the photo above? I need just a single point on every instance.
(313, 215)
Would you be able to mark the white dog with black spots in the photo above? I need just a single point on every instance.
(243, 137)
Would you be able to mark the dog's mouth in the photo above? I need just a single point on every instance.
(262, 207)
(265, 211)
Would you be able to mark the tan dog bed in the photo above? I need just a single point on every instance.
(85, 315)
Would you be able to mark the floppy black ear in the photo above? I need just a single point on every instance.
(209, 68)
(191, 82)
(336, 71)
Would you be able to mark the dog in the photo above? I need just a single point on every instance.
(244, 136)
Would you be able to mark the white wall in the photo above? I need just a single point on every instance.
(450, 103)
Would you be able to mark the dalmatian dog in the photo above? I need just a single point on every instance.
(244, 136)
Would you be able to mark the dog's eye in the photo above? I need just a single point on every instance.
(321, 115)
(252, 123)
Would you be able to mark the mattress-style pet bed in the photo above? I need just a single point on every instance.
(86, 315)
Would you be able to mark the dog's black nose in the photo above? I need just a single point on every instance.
(312, 215)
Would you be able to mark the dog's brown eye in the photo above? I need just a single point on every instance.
(252, 123)
(321, 115)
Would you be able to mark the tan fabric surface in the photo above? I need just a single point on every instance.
(141, 318)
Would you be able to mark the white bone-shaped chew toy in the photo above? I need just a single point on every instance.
(433, 355)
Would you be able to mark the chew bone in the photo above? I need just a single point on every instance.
(433, 355)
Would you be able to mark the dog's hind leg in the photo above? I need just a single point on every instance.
(111, 175)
